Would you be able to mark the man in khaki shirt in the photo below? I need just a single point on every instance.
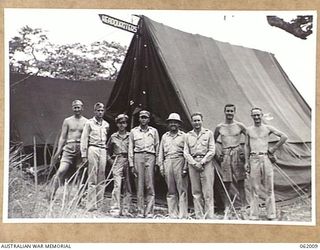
(199, 149)
(93, 149)
(118, 151)
(143, 152)
(173, 167)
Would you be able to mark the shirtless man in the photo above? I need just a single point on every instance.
(69, 145)
(232, 158)
(259, 164)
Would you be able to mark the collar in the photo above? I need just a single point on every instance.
(125, 135)
(96, 121)
(202, 131)
(144, 130)
(175, 135)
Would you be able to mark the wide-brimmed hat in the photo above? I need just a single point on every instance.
(174, 117)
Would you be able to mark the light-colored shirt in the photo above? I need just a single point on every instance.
(118, 144)
(143, 141)
(171, 145)
(199, 145)
(94, 134)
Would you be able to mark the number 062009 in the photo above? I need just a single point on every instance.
(308, 245)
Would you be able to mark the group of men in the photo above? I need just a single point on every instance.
(137, 154)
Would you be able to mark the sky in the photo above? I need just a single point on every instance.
(249, 29)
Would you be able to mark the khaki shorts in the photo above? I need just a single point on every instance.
(233, 164)
(71, 153)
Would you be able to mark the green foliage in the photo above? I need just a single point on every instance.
(31, 52)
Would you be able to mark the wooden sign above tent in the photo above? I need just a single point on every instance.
(118, 23)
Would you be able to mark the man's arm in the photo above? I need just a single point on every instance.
(62, 139)
(185, 166)
(211, 150)
(247, 151)
(186, 153)
(283, 138)
(216, 132)
(109, 151)
(161, 155)
(243, 128)
(130, 149)
(84, 140)
(156, 146)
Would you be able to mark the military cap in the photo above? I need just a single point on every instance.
(144, 113)
(121, 117)
(77, 102)
(98, 105)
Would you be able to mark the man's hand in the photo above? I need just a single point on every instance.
(111, 161)
(199, 167)
(133, 171)
(157, 168)
(55, 157)
(247, 167)
(184, 172)
(271, 156)
(84, 160)
(161, 169)
(221, 158)
(271, 150)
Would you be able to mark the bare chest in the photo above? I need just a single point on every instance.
(258, 133)
(76, 125)
(230, 130)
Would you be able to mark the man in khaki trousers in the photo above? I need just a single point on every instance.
(93, 149)
(173, 167)
(199, 149)
(143, 152)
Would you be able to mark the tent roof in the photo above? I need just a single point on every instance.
(38, 105)
(207, 74)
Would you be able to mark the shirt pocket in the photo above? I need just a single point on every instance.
(149, 139)
(192, 141)
(138, 141)
(204, 141)
(167, 146)
(180, 143)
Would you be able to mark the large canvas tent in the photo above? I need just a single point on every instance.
(38, 105)
(167, 70)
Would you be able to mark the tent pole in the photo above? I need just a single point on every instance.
(226, 191)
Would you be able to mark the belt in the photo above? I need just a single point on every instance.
(97, 146)
(173, 156)
(73, 141)
(198, 156)
(144, 152)
(258, 153)
(232, 147)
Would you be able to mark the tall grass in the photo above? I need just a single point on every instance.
(72, 202)
(20, 186)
